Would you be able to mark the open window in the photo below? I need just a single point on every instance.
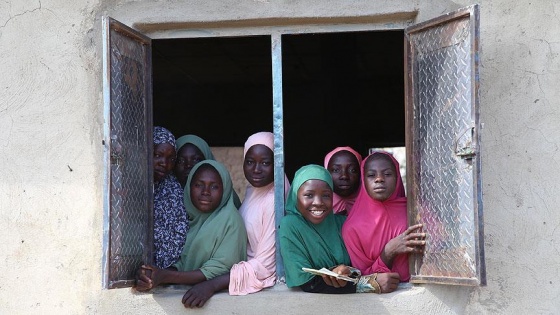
(285, 81)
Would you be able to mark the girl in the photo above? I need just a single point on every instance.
(257, 210)
(192, 149)
(170, 218)
(376, 233)
(217, 237)
(310, 237)
(344, 165)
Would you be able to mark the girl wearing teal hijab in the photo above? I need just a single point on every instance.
(217, 238)
(310, 237)
(192, 149)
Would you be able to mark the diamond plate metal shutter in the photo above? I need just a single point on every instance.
(128, 226)
(443, 156)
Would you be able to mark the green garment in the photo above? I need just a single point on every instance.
(205, 149)
(197, 142)
(217, 240)
(304, 244)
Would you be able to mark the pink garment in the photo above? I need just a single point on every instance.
(343, 203)
(257, 210)
(372, 224)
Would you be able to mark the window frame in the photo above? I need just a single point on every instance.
(275, 32)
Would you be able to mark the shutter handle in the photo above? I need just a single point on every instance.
(466, 151)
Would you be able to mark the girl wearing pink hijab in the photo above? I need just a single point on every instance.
(376, 233)
(344, 165)
(257, 210)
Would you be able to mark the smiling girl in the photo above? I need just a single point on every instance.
(310, 237)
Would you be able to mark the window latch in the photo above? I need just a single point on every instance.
(464, 145)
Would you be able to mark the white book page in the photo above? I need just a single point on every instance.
(325, 271)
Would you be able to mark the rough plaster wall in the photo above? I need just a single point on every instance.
(51, 184)
(520, 109)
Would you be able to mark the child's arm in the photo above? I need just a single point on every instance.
(151, 276)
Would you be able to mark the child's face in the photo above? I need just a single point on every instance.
(380, 178)
(164, 160)
(187, 157)
(258, 165)
(345, 172)
(314, 200)
(206, 189)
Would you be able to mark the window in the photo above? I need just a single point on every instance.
(290, 83)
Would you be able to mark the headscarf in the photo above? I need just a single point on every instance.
(197, 142)
(162, 135)
(304, 244)
(206, 151)
(217, 240)
(343, 203)
(257, 210)
(372, 224)
(170, 218)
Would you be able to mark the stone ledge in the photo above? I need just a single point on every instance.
(409, 299)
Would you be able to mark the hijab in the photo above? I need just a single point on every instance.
(304, 244)
(218, 239)
(203, 146)
(372, 224)
(162, 135)
(170, 218)
(257, 210)
(197, 142)
(341, 203)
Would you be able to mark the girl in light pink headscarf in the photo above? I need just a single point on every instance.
(344, 165)
(257, 210)
(375, 233)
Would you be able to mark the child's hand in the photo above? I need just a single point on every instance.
(198, 295)
(388, 281)
(145, 278)
(333, 281)
(410, 241)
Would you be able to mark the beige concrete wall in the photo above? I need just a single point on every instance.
(51, 117)
(232, 157)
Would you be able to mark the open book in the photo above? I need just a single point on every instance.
(325, 271)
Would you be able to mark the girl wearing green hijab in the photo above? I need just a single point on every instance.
(192, 149)
(310, 237)
(217, 238)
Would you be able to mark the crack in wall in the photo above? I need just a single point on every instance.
(20, 14)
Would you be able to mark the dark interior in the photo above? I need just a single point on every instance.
(339, 89)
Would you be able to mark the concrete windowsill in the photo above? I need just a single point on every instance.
(281, 299)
